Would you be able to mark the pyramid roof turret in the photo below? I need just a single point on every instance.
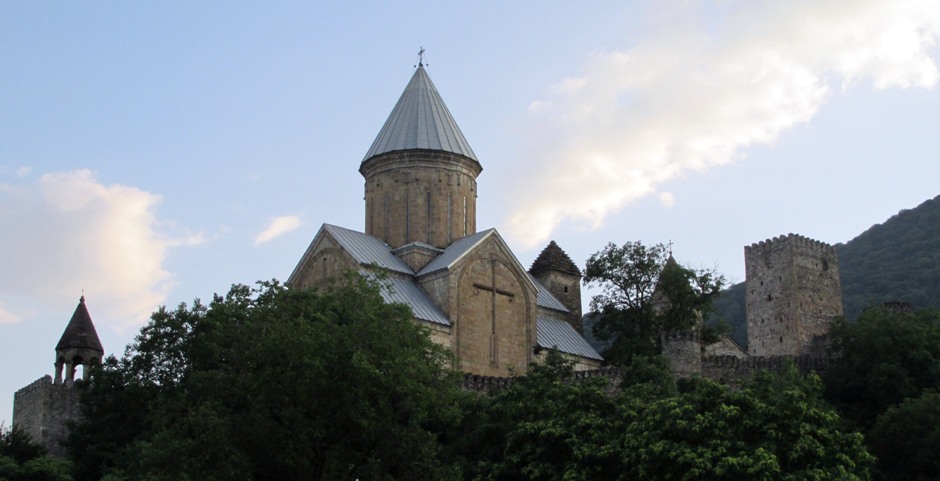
(80, 332)
(553, 258)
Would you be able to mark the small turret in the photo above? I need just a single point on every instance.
(559, 274)
(78, 346)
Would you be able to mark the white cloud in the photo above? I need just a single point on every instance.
(69, 233)
(277, 227)
(691, 96)
(23, 171)
(8, 317)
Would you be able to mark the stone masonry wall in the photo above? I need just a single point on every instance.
(420, 196)
(43, 411)
(683, 352)
(567, 289)
(793, 293)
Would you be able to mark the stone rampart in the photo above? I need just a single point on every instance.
(43, 411)
(736, 371)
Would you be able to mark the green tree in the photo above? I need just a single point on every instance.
(883, 358)
(905, 440)
(23, 460)
(777, 428)
(272, 383)
(644, 292)
(544, 426)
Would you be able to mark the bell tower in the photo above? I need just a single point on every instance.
(420, 173)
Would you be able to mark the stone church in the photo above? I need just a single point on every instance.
(465, 285)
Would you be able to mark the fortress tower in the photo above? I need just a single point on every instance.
(793, 293)
(44, 408)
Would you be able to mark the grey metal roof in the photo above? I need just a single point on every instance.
(420, 120)
(546, 299)
(559, 335)
(405, 291)
(455, 251)
(367, 249)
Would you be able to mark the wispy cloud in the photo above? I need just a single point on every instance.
(8, 317)
(68, 232)
(698, 90)
(277, 227)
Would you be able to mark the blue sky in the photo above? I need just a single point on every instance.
(153, 153)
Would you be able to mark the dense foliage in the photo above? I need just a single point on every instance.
(23, 460)
(548, 427)
(883, 358)
(270, 383)
(645, 292)
(905, 439)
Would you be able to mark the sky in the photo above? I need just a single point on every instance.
(152, 153)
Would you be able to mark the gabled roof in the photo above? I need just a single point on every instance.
(366, 249)
(553, 258)
(559, 335)
(455, 252)
(404, 291)
(420, 120)
(80, 333)
(545, 299)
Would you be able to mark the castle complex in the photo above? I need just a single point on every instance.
(793, 294)
(467, 287)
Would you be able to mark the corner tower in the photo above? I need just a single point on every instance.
(420, 173)
(45, 408)
(793, 293)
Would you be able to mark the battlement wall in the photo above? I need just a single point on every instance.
(803, 243)
(494, 384)
(43, 411)
(736, 371)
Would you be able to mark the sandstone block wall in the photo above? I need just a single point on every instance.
(492, 305)
(420, 196)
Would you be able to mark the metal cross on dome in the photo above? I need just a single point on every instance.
(421, 57)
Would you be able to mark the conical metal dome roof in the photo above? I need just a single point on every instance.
(80, 333)
(420, 120)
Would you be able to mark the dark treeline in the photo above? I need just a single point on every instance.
(268, 383)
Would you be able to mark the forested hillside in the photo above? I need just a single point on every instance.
(898, 260)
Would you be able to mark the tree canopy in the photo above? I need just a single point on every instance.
(881, 359)
(271, 383)
(547, 426)
(644, 292)
(23, 460)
